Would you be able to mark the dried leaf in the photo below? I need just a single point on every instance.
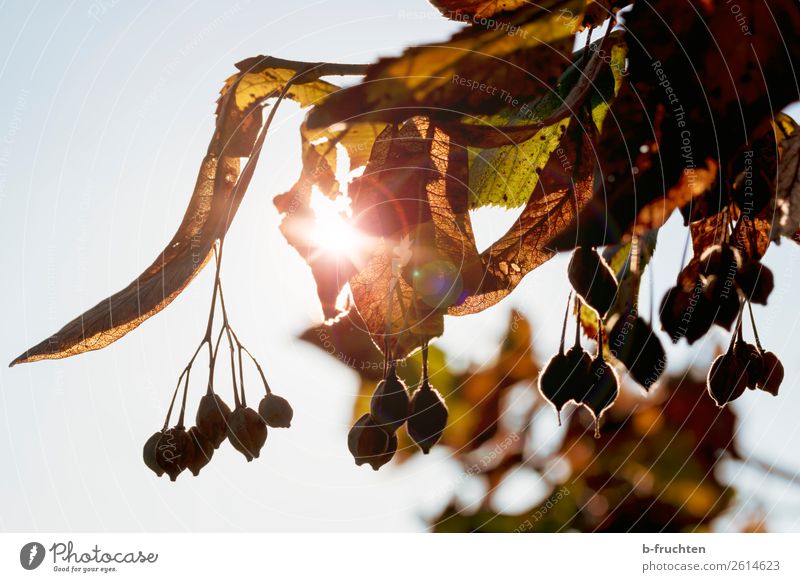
(412, 199)
(216, 197)
(565, 187)
(475, 10)
(507, 176)
(210, 210)
(477, 71)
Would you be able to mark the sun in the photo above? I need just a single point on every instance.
(332, 231)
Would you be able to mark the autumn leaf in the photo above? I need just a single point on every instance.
(412, 200)
(507, 176)
(475, 10)
(216, 197)
(563, 190)
(479, 70)
(349, 342)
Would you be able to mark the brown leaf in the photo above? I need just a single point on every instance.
(709, 231)
(475, 10)
(348, 340)
(479, 131)
(213, 204)
(218, 191)
(330, 270)
(563, 190)
(412, 199)
(476, 71)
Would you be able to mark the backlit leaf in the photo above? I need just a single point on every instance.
(474, 72)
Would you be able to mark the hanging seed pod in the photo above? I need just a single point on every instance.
(553, 382)
(202, 450)
(379, 461)
(367, 442)
(721, 261)
(247, 432)
(723, 300)
(212, 418)
(634, 343)
(276, 411)
(686, 313)
(771, 373)
(579, 364)
(427, 417)
(173, 451)
(604, 387)
(390, 403)
(749, 355)
(562, 379)
(755, 281)
(149, 453)
(727, 377)
(592, 279)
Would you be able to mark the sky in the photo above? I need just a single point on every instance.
(105, 113)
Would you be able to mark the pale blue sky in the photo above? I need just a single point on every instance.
(105, 113)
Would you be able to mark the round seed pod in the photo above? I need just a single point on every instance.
(602, 393)
(751, 357)
(379, 461)
(427, 417)
(553, 382)
(592, 279)
(721, 261)
(212, 418)
(390, 402)
(247, 432)
(202, 451)
(771, 373)
(367, 442)
(579, 364)
(755, 281)
(173, 451)
(149, 453)
(723, 301)
(634, 343)
(276, 411)
(603, 388)
(727, 378)
(686, 313)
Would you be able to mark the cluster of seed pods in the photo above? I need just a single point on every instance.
(373, 437)
(712, 289)
(574, 375)
(709, 291)
(173, 450)
(743, 366)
